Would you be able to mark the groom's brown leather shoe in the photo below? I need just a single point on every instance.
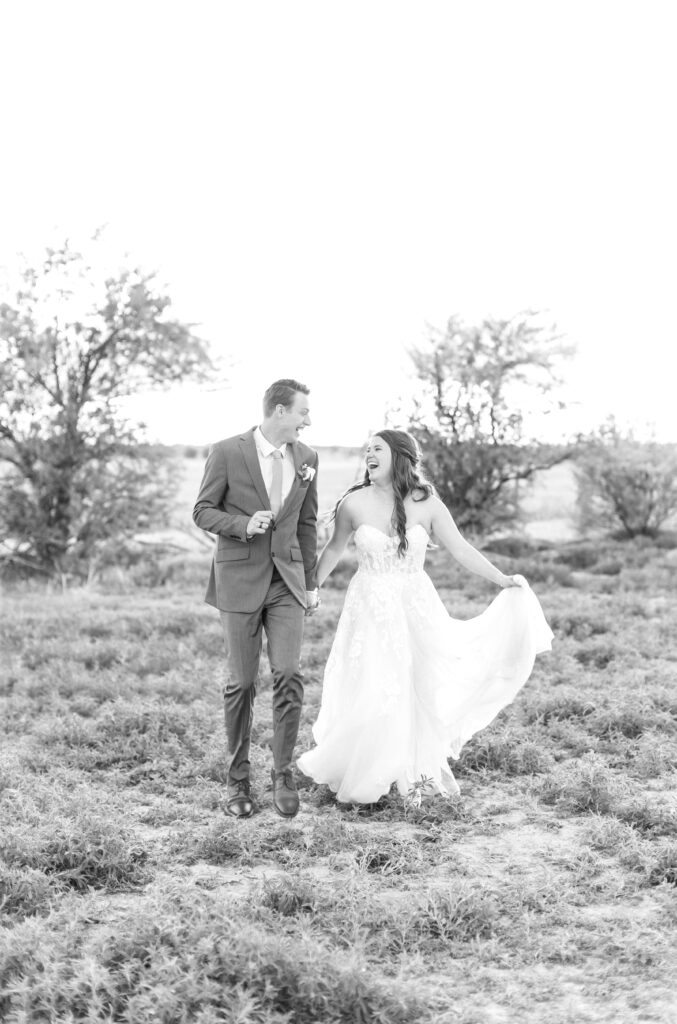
(238, 799)
(285, 795)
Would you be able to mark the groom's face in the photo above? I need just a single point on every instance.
(294, 418)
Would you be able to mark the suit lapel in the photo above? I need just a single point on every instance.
(251, 458)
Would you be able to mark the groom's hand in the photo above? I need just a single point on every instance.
(312, 601)
(259, 522)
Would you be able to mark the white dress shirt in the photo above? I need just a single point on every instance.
(264, 450)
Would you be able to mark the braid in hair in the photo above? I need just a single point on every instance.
(400, 522)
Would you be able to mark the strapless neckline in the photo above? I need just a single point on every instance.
(388, 536)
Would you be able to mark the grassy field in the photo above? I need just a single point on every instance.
(545, 892)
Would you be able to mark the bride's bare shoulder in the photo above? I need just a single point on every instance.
(355, 498)
(350, 504)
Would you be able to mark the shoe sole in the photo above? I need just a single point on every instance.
(282, 813)
(233, 814)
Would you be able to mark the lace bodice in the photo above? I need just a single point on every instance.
(377, 552)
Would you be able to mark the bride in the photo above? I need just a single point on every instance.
(406, 685)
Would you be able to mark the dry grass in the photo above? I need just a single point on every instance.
(545, 892)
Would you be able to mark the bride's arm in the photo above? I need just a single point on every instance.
(447, 533)
(333, 549)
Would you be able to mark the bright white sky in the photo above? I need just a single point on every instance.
(316, 180)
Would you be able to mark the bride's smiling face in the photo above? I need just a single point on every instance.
(379, 460)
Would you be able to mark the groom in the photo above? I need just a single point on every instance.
(259, 496)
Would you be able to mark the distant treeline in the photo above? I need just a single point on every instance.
(191, 451)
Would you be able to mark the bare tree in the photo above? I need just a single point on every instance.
(475, 384)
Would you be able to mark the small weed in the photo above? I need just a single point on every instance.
(24, 891)
(388, 857)
(458, 916)
(423, 787)
(288, 896)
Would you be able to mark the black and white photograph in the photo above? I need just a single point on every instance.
(338, 512)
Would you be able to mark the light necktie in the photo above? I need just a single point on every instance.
(276, 485)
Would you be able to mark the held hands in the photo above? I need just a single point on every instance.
(259, 522)
(313, 601)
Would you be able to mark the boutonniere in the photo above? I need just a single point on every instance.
(306, 472)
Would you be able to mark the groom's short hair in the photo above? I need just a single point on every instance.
(282, 392)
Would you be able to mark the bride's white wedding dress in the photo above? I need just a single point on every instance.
(406, 685)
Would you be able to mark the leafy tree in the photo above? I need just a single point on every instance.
(75, 342)
(475, 383)
(625, 484)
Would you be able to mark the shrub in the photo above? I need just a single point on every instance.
(595, 656)
(538, 570)
(631, 720)
(137, 734)
(624, 484)
(584, 785)
(652, 759)
(664, 866)
(88, 851)
(611, 567)
(579, 626)
(579, 557)
(561, 707)
(510, 547)
(657, 861)
(648, 817)
(666, 541)
(509, 754)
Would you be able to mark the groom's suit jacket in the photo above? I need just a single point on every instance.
(232, 490)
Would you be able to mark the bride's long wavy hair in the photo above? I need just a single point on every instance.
(407, 479)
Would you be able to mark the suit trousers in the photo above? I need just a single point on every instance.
(282, 617)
